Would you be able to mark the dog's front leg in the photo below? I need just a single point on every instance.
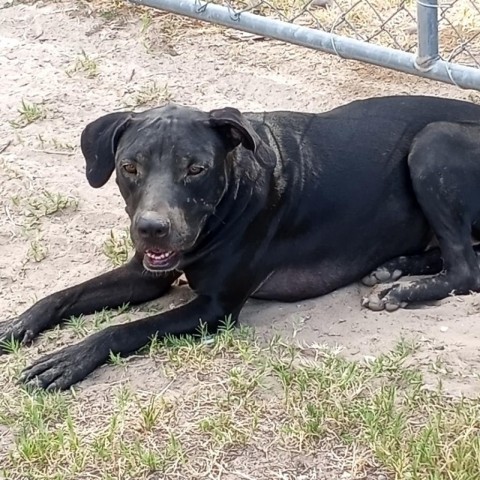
(62, 369)
(127, 284)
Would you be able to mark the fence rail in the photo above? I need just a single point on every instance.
(429, 38)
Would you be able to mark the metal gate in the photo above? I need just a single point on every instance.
(429, 38)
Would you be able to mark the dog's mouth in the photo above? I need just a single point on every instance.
(155, 259)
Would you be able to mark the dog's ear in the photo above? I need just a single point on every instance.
(236, 130)
(99, 141)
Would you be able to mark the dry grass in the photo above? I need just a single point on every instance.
(151, 94)
(243, 396)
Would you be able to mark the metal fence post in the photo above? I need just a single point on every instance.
(427, 17)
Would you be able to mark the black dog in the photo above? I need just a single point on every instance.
(283, 206)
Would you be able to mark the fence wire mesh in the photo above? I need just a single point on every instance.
(391, 23)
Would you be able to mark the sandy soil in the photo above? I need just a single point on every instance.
(203, 67)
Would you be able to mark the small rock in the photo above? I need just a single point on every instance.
(443, 329)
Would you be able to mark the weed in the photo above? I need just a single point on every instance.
(28, 113)
(55, 144)
(11, 346)
(116, 359)
(152, 412)
(37, 251)
(84, 64)
(117, 247)
(78, 325)
(146, 21)
(150, 94)
(49, 203)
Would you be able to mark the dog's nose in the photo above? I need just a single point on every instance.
(153, 225)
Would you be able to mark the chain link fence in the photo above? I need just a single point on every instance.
(391, 23)
(438, 39)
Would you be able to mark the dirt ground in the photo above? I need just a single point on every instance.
(201, 66)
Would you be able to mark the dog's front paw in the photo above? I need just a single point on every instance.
(26, 327)
(62, 369)
(18, 330)
(381, 275)
(384, 299)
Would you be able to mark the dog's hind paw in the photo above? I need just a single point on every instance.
(381, 275)
(383, 299)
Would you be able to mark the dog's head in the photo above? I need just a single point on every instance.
(172, 169)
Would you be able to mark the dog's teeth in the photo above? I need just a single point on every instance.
(159, 256)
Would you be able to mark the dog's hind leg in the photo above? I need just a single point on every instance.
(427, 263)
(444, 166)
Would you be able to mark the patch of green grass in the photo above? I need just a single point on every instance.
(225, 429)
(78, 325)
(102, 318)
(11, 346)
(232, 393)
(117, 247)
(49, 203)
(84, 64)
(116, 359)
(28, 113)
(372, 406)
(152, 412)
(83, 325)
(44, 205)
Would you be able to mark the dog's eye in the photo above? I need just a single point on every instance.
(195, 170)
(130, 168)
